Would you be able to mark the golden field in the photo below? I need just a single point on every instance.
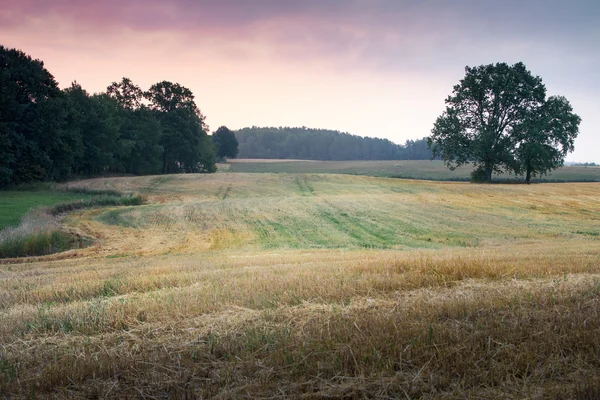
(236, 285)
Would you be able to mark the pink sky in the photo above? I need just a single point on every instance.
(377, 68)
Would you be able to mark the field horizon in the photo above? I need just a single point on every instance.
(312, 285)
(433, 170)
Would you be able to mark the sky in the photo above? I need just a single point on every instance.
(379, 68)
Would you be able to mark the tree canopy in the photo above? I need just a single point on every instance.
(498, 118)
(185, 141)
(28, 92)
(52, 134)
(322, 144)
(226, 144)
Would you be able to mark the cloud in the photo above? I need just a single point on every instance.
(371, 56)
(380, 34)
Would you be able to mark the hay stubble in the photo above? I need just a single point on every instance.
(234, 285)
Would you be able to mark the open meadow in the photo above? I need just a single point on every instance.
(309, 285)
(409, 169)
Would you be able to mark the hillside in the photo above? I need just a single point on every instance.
(322, 144)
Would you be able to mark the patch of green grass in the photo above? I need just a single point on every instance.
(33, 230)
(112, 256)
(588, 233)
(14, 204)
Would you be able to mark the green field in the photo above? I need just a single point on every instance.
(410, 169)
(292, 285)
(15, 204)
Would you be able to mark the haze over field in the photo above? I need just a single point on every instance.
(374, 68)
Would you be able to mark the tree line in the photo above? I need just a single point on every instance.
(322, 144)
(49, 134)
(497, 118)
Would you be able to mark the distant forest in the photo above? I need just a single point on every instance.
(322, 144)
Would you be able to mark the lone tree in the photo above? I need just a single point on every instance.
(226, 144)
(498, 119)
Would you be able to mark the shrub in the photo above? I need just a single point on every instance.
(104, 200)
(39, 244)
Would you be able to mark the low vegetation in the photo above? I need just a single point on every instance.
(409, 169)
(317, 286)
(38, 231)
(14, 204)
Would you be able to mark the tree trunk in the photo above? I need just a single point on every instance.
(488, 172)
(528, 176)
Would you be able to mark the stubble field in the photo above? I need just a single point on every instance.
(407, 169)
(238, 285)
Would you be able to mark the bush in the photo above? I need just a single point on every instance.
(478, 175)
(103, 200)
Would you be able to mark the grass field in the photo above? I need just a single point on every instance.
(305, 285)
(411, 169)
(15, 204)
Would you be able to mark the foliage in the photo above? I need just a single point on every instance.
(484, 108)
(39, 244)
(321, 144)
(126, 93)
(51, 135)
(27, 97)
(546, 137)
(226, 144)
(185, 142)
(498, 119)
(103, 200)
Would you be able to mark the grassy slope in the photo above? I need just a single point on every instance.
(414, 169)
(278, 285)
(327, 211)
(15, 204)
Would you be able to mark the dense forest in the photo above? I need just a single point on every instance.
(321, 144)
(49, 134)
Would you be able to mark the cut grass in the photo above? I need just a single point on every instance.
(407, 169)
(269, 211)
(314, 286)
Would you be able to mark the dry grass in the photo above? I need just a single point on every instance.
(412, 169)
(237, 286)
